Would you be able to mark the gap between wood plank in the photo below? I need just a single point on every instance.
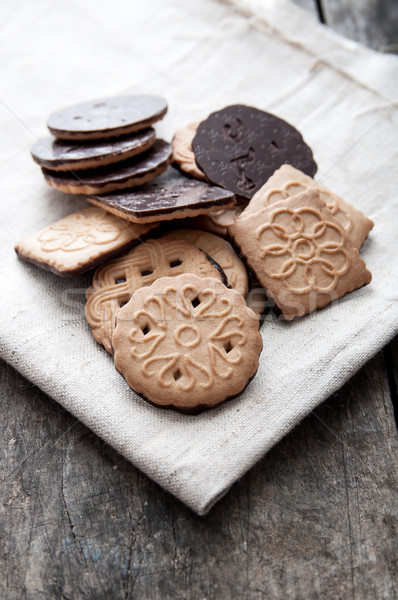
(389, 362)
(321, 14)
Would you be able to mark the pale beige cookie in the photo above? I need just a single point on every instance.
(183, 155)
(118, 279)
(300, 253)
(187, 343)
(217, 221)
(288, 181)
(219, 250)
(81, 241)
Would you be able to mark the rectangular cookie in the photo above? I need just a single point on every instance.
(171, 196)
(288, 181)
(81, 241)
(300, 253)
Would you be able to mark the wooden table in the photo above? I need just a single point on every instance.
(315, 519)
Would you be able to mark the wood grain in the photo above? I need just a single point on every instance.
(316, 518)
(372, 22)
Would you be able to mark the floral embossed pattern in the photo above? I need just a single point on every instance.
(80, 231)
(187, 342)
(288, 181)
(302, 249)
(80, 241)
(300, 254)
(293, 187)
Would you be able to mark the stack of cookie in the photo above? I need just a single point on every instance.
(104, 145)
(240, 225)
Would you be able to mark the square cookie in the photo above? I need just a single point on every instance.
(300, 253)
(288, 181)
(80, 241)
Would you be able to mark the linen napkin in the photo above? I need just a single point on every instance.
(200, 55)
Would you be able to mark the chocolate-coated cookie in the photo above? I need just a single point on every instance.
(106, 117)
(172, 196)
(63, 155)
(239, 147)
(136, 171)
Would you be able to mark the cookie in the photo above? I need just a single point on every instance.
(239, 147)
(114, 282)
(300, 254)
(183, 156)
(219, 250)
(80, 241)
(106, 117)
(187, 343)
(216, 221)
(172, 196)
(288, 181)
(62, 155)
(134, 172)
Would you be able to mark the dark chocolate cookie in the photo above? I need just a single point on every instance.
(107, 117)
(133, 172)
(239, 148)
(63, 155)
(172, 196)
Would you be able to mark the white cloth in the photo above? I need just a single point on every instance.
(201, 55)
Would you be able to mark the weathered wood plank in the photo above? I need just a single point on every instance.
(372, 22)
(314, 519)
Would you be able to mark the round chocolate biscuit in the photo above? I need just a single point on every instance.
(63, 155)
(239, 148)
(134, 172)
(187, 343)
(106, 117)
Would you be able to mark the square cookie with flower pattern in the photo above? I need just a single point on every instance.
(300, 253)
(288, 181)
(80, 241)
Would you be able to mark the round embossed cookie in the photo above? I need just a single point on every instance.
(106, 117)
(63, 155)
(115, 281)
(183, 156)
(137, 171)
(239, 147)
(187, 343)
(219, 250)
